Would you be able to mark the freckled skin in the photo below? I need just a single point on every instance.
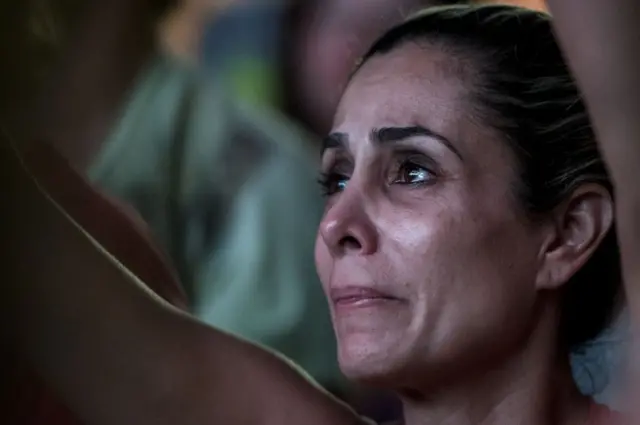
(458, 251)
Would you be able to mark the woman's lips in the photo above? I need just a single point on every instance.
(358, 297)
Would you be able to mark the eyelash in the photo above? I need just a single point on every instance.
(329, 181)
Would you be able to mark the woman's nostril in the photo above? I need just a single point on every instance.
(350, 242)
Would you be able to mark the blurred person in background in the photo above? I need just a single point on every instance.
(321, 45)
(241, 48)
(292, 54)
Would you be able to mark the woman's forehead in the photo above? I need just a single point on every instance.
(404, 87)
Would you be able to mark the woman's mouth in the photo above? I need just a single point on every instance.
(355, 296)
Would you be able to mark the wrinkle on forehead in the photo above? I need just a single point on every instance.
(438, 58)
(408, 77)
(418, 72)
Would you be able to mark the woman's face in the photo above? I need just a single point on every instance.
(427, 260)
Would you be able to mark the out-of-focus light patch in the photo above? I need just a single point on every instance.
(531, 4)
(253, 80)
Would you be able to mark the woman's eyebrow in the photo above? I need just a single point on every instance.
(386, 135)
(335, 140)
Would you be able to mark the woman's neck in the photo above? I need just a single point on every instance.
(531, 386)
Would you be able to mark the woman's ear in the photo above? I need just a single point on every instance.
(578, 227)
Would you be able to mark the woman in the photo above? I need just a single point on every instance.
(467, 247)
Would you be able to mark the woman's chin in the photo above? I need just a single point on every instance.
(369, 364)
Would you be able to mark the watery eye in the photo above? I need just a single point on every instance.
(333, 183)
(410, 173)
(340, 183)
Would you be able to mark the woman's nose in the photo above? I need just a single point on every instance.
(347, 229)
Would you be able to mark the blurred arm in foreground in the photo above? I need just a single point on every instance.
(602, 43)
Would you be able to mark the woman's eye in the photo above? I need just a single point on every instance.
(410, 173)
(333, 183)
